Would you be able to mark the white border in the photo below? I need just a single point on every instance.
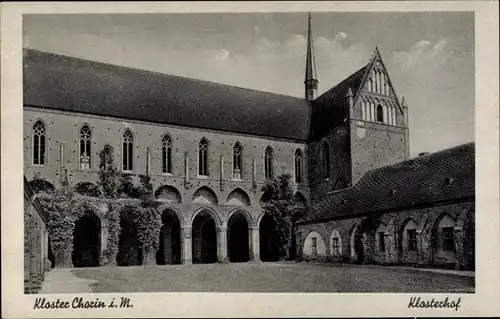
(483, 303)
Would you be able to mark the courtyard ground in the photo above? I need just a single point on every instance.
(260, 277)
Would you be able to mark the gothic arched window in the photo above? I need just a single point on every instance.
(380, 114)
(268, 163)
(326, 159)
(127, 150)
(39, 145)
(166, 155)
(85, 141)
(203, 158)
(298, 166)
(237, 160)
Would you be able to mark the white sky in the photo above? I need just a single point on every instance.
(429, 56)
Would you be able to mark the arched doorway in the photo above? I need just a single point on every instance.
(204, 238)
(238, 238)
(129, 253)
(268, 237)
(170, 239)
(87, 241)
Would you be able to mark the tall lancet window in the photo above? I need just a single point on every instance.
(380, 114)
(127, 151)
(203, 158)
(268, 163)
(298, 166)
(237, 158)
(166, 155)
(326, 159)
(39, 145)
(85, 141)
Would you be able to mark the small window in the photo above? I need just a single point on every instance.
(380, 114)
(237, 159)
(298, 166)
(39, 143)
(411, 235)
(326, 160)
(335, 246)
(268, 163)
(381, 242)
(448, 240)
(203, 158)
(166, 155)
(314, 246)
(127, 151)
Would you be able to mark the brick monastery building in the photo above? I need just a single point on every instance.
(210, 148)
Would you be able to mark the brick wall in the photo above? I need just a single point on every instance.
(427, 219)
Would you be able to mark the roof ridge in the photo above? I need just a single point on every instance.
(163, 74)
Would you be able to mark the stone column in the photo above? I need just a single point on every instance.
(222, 244)
(254, 241)
(148, 257)
(186, 245)
(46, 244)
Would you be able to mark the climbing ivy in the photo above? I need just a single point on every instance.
(279, 204)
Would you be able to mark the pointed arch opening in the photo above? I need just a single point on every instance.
(237, 161)
(168, 194)
(238, 197)
(39, 185)
(203, 157)
(268, 238)
(87, 241)
(127, 150)
(204, 228)
(205, 195)
(169, 251)
(380, 114)
(238, 246)
(166, 154)
(39, 143)
(314, 246)
(299, 159)
(268, 163)
(85, 147)
(129, 253)
(325, 150)
(443, 240)
(408, 240)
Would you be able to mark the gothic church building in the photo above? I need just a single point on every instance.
(209, 148)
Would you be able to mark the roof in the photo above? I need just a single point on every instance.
(332, 104)
(77, 85)
(419, 181)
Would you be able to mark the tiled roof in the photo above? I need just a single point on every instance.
(331, 107)
(421, 180)
(72, 84)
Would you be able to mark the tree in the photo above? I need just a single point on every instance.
(108, 174)
(279, 204)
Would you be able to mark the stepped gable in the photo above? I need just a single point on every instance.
(76, 85)
(445, 175)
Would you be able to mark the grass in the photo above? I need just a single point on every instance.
(271, 277)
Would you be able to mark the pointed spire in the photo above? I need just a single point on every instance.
(311, 81)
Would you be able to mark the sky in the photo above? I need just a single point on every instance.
(429, 55)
